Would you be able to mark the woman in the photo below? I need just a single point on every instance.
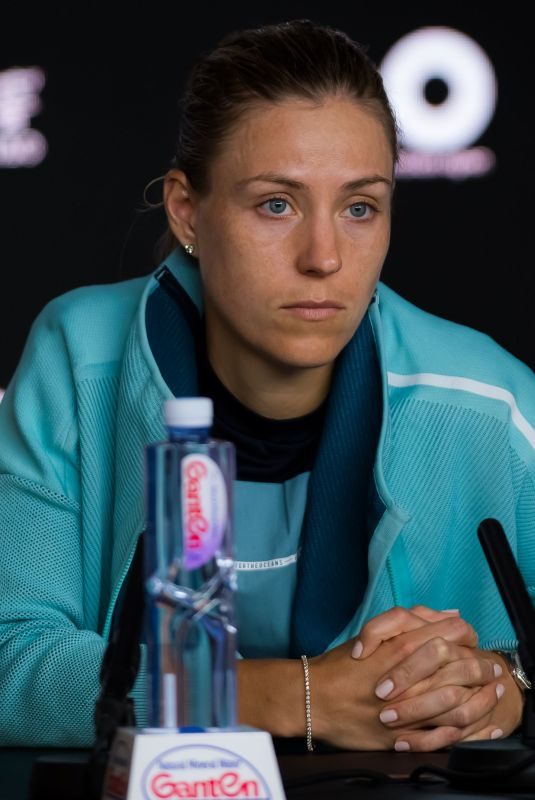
(357, 449)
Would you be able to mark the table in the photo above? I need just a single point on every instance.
(66, 778)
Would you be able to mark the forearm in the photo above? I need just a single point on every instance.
(344, 709)
(271, 695)
(49, 682)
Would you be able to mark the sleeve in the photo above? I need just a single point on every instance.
(49, 663)
(525, 521)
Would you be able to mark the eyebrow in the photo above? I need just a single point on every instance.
(283, 180)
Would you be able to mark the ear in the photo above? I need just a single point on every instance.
(180, 201)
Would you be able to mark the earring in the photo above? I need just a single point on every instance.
(190, 249)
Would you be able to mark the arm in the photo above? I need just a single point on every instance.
(345, 707)
(49, 658)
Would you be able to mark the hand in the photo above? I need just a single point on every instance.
(465, 690)
(345, 706)
(443, 693)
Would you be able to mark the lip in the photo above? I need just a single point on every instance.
(314, 304)
(313, 311)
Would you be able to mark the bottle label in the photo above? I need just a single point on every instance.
(204, 509)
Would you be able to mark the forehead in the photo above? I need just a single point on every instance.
(336, 135)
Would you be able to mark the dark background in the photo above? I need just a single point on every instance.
(460, 249)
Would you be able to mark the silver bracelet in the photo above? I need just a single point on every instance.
(308, 713)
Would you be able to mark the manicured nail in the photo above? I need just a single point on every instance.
(451, 611)
(496, 733)
(497, 670)
(388, 715)
(402, 746)
(500, 689)
(384, 688)
(357, 649)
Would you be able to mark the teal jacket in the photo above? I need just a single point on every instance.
(457, 445)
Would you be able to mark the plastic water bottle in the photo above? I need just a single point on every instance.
(189, 574)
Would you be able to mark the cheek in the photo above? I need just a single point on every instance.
(371, 252)
(232, 292)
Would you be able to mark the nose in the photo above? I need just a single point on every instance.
(318, 251)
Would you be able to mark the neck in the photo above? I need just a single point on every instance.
(271, 391)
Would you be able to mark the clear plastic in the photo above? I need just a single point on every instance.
(190, 581)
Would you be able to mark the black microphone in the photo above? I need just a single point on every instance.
(505, 763)
(518, 604)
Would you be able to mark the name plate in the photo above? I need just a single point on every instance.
(155, 764)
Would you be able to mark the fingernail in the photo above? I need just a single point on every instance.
(384, 688)
(388, 715)
(402, 746)
(451, 611)
(357, 649)
(500, 689)
(496, 733)
(497, 670)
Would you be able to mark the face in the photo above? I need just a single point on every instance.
(292, 235)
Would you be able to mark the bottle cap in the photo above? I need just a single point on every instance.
(189, 412)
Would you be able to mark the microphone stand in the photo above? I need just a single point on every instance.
(504, 763)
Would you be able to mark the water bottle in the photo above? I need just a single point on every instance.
(189, 574)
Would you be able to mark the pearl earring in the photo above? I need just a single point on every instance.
(189, 248)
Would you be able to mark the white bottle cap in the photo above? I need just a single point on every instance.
(189, 412)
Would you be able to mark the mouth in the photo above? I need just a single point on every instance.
(314, 311)
(314, 304)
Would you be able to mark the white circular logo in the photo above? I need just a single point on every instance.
(202, 771)
(460, 63)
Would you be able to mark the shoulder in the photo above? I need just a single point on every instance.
(92, 322)
(416, 341)
(450, 365)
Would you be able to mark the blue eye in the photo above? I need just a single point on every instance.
(358, 209)
(277, 205)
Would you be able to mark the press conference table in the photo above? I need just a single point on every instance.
(66, 779)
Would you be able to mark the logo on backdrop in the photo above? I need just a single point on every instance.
(443, 90)
(202, 771)
(20, 145)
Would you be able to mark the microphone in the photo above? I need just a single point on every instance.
(511, 760)
(518, 604)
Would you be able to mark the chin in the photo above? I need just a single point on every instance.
(307, 357)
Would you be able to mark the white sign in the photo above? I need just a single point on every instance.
(160, 765)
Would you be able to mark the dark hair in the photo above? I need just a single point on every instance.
(271, 63)
(298, 58)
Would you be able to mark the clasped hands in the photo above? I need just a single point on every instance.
(414, 679)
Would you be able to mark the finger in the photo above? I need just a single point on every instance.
(422, 663)
(452, 631)
(475, 710)
(457, 706)
(393, 622)
(467, 671)
(424, 708)
(431, 615)
(425, 741)
(488, 732)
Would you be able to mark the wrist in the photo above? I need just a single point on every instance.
(516, 682)
(271, 695)
(514, 666)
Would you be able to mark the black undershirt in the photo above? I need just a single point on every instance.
(268, 450)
